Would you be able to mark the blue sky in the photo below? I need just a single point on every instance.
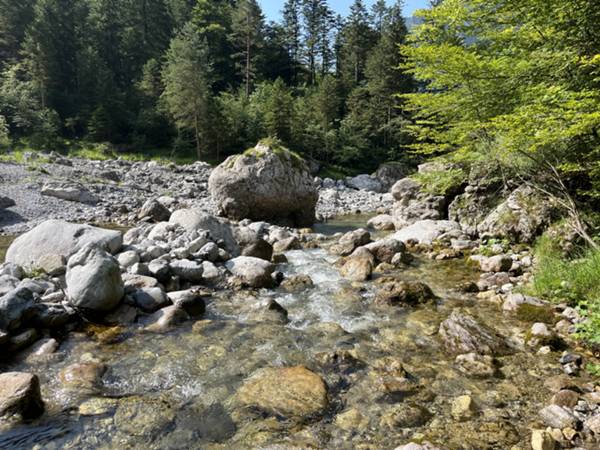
(272, 8)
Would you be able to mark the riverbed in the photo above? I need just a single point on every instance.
(178, 390)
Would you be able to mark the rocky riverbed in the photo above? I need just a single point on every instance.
(402, 330)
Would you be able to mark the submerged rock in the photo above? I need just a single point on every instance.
(292, 392)
(265, 183)
(397, 293)
(461, 333)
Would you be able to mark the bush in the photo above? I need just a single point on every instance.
(443, 182)
(575, 280)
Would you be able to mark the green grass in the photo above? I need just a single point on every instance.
(337, 172)
(572, 280)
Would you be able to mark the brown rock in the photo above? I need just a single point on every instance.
(20, 395)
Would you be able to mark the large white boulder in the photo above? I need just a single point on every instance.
(59, 238)
(255, 272)
(425, 231)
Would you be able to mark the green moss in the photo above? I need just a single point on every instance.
(535, 313)
(278, 149)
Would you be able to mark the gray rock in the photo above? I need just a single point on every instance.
(497, 263)
(191, 301)
(365, 182)
(150, 299)
(359, 265)
(57, 237)
(12, 269)
(128, 258)
(425, 231)
(15, 307)
(159, 269)
(8, 283)
(255, 272)
(558, 417)
(6, 202)
(390, 172)
(384, 250)
(259, 249)
(187, 270)
(154, 210)
(94, 280)
(209, 252)
(20, 395)
(461, 333)
(513, 301)
(70, 192)
(383, 222)
(351, 241)
(166, 318)
(196, 219)
(265, 184)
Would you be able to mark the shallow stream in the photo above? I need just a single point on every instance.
(177, 390)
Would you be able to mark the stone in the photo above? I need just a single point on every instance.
(154, 210)
(134, 281)
(542, 440)
(520, 218)
(208, 252)
(497, 263)
(351, 420)
(159, 269)
(566, 398)
(259, 249)
(93, 280)
(351, 241)
(143, 417)
(57, 237)
(382, 222)
(359, 265)
(593, 423)
(463, 407)
(461, 333)
(51, 315)
(150, 299)
(23, 340)
(284, 245)
(6, 202)
(128, 258)
(187, 270)
(421, 446)
(399, 293)
(69, 192)
(291, 392)
(425, 231)
(15, 308)
(265, 183)
(191, 301)
(84, 375)
(254, 272)
(390, 172)
(384, 250)
(404, 416)
(166, 319)
(365, 183)
(475, 365)
(20, 396)
(297, 283)
(556, 416)
(514, 301)
(196, 219)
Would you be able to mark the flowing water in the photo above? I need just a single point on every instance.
(177, 390)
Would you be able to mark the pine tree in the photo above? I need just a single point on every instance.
(292, 29)
(358, 39)
(15, 17)
(187, 80)
(247, 38)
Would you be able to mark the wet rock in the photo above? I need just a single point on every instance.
(154, 210)
(57, 237)
(166, 319)
(253, 271)
(399, 293)
(351, 241)
(191, 301)
(384, 250)
(94, 280)
(565, 398)
(293, 392)
(70, 192)
(85, 375)
(259, 249)
(147, 417)
(542, 440)
(405, 416)
(351, 420)
(297, 283)
(20, 396)
(123, 315)
(281, 186)
(150, 299)
(461, 333)
(463, 407)
(556, 416)
(187, 270)
(497, 263)
(23, 340)
(97, 406)
(284, 245)
(359, 265)
(390, 377)
(15, 308)
(476, 365)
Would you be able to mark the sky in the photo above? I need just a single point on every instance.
(272, 8)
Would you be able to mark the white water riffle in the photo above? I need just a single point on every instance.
(318, 304)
